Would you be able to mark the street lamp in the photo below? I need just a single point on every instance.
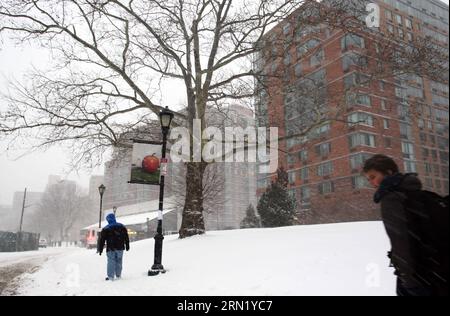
(101, 190)
(114, 210)
(166, 116)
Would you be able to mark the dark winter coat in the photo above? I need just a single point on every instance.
(406, 255)
(115, 235)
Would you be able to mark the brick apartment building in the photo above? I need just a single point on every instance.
(405, 117)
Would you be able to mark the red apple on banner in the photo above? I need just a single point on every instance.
(150, 163)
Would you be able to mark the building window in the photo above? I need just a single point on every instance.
(302, 32)
(404, 113)
(291, 159)
(389, 15)
(408, 23)
(321, 131)
(352, 40)
(360, 118)
(317, 58)
(437, 183)
(398, 19)
(303, 155)
(444, 171)
(390, 28)
(326, 188)
(386, 124)
(428, 168)
(298, 70)
(442, 142)
(421, 123)
(292, 177)
(287, 29)
(382, 85)
(359, 182)
(263, 184)
(304, 174)
(353, 59)
(410, 166)
(436, 171)
(305, 195)
(441, 129)
(432, 139)
(444, 157)
(323, 150)
(357, 161)
(356, 80)
(434, 155)
(325, 169)
(423, 138)
(306, 47)
(384, 105)
(441, 115)
(408, 150)
(401, 34)
(359, 99)
(361, 139)
(287, 59)
(405, 131)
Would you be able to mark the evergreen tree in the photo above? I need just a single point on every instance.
(251, 220)
(277, 207)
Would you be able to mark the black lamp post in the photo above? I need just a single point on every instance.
(166, 117)
(101, 190)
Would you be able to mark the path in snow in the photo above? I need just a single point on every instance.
(13, 265)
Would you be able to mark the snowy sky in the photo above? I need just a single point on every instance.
(32, 170)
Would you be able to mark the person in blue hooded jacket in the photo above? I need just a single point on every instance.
(115, 235)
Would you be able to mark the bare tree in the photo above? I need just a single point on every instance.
(111, 57)
(62, 209)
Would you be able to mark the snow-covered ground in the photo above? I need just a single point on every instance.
(9, 258)
(13, 265)
(340, 259)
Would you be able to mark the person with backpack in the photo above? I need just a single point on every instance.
(417, 223)
(115, 235)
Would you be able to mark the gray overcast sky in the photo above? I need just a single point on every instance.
(32, 170)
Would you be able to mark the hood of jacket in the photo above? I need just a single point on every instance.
(398, 182)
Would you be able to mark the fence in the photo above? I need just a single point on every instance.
(16, 242)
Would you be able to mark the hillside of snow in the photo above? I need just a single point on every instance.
(338, 259)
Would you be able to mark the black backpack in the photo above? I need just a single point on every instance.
(428, 228)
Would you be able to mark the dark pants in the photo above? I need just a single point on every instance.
(412, 291)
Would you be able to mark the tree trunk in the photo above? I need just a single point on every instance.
(193, 222)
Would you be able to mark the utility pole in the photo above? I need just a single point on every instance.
(23, 210)
(19, 234)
